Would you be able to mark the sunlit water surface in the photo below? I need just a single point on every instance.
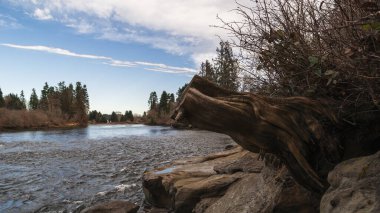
(67, 170)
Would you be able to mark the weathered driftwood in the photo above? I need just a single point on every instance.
(295, 129)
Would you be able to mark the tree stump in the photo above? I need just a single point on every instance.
(298, 130)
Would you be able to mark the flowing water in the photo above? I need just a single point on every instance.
(68, 170)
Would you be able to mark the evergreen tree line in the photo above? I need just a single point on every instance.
(66, 102)
(159, 108)
(224, 69)
(13, 101)
(163, 105)
(98, 117)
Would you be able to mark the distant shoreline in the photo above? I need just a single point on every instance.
(69, 126)
(42, 128)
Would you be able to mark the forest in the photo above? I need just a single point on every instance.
(57, 106)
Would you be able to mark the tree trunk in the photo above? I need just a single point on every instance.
(299, 131)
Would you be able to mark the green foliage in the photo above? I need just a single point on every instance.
(22, 99)
(128, 116)
(114, 117)
(44, 103)
(160, 112)
(152, 101)
(62, 102)
(33, 101)
(66, 99)
(313, 60)
(163, 104)
(98, 117)
(166, 101)
(225, 69)
(207, 71)
(13, 101)
(2, 101)
(371, 26)
(81, 103)
(180, 91)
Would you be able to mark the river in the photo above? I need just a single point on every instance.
(68, 170)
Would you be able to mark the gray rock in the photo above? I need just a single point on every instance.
(354, 186)
(116, 206)
(232, 181)
(269, 191)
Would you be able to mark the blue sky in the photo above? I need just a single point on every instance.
(122, 50)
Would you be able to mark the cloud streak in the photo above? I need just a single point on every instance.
(177, 27)
(157, 67)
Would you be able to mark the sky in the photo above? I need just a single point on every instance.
(121, 49)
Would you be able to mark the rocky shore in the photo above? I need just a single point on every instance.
(231, 181)
(237, 181)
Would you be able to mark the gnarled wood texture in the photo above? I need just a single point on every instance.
(294, 129)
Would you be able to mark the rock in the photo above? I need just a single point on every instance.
(204, 204)
(269, 191)
(181, 185)
(229, 181)
(246, 163)
(116, 206)
(354, 186)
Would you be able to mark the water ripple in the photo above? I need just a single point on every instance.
(69, 170)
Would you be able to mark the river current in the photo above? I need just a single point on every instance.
(68, 170)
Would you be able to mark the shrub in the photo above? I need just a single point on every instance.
(319, 49)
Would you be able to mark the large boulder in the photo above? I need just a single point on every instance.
(115, 206)
(230, 181)
(354, 186)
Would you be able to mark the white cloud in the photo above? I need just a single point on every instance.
(54, 50)
(81, 26)
(9, 22)
(42, 14)
(108, 60)
(178, 27)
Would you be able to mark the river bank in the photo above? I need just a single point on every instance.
(66, 126)
(239, 181)
(69, 170)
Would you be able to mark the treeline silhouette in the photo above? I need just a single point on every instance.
(56, 106)
(98, 117)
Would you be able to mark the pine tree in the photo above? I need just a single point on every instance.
(207, 71)
(33, 101)
(123, 118)
(22, 99)
(114, 117)
(171, 98)
(66, 97)
(92, 115)
(82, 103)
(180, 91)
(54, 103)
(152, 100)
(226, 67)
(131, 118)
(70, 101)
(163, 104)
(13, 101)
(2, 101)
(44, 104)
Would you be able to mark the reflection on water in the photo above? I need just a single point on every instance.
(52, 171)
